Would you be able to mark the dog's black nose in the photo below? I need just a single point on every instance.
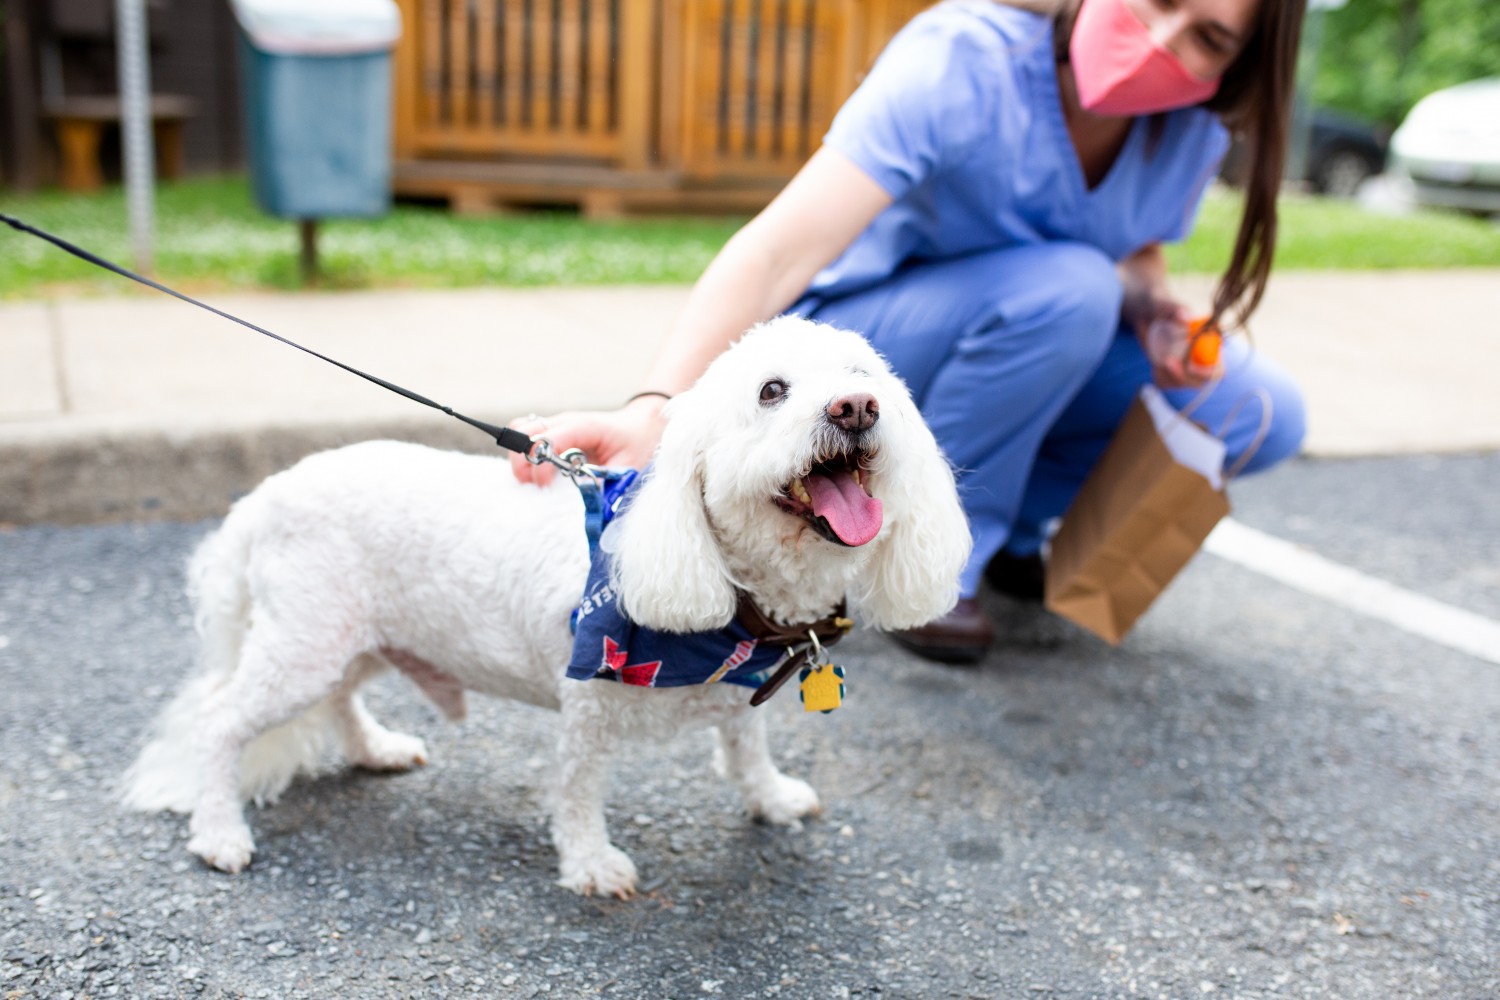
(854, 413)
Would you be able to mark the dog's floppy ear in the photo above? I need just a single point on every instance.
(667, 565)
(917, 565)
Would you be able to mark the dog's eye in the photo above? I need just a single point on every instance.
(772, 391)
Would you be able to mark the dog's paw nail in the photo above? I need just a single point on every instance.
(608, 872)
(229, 852)
(230, 861)
(786, 803)
(393, 752)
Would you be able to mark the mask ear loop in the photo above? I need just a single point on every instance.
(1264, 429)
(1203, 394)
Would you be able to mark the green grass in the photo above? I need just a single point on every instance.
(1321, 234)
(210, 237)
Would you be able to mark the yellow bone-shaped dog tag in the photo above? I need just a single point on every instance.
(822, 687)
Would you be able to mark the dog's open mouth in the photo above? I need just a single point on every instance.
(832, 496)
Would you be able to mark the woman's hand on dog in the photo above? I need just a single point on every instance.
(623, 438)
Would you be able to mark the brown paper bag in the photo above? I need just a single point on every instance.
(1137, 520)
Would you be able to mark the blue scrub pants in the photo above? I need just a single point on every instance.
(1023, 369)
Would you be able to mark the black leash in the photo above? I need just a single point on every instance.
(509, 438)
(591, 480)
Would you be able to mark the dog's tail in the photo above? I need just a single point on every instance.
(165, 775)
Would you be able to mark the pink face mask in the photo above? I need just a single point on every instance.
(1120, 70)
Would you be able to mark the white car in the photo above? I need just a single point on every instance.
(1449, 145)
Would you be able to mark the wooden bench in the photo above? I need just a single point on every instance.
(646, 105)
(80, 124)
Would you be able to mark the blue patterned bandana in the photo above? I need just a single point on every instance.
(609, 646)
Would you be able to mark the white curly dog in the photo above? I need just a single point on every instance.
(796, 471)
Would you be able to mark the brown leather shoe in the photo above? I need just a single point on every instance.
(962, 636)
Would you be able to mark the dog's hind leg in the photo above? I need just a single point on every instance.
(276, 680)
(588, 863)
(745, 757)
(367, 743)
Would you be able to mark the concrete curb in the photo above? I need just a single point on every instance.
(152, 475)
(145, 409)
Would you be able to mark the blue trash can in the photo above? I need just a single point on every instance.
(317, 84)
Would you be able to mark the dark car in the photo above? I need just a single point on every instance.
(1342, 151)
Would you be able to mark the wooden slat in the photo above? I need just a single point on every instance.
(513, 20)
(668, 80)
(455, 80)
(434, 171)
(597, 115)
(407, 81)
(767, 79)
(524, 141)
(540, 44)
(873, 16)
(711, 82)
(689, 16)
(432, 54)
(736, 125)
(834, 67)
(637, 63)
(458, 61)
(486, 68)
(794, 80)
(570, 69)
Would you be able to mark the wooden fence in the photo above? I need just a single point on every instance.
(624, 105)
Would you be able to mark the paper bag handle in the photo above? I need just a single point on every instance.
(1260, 432)
(1208, 387)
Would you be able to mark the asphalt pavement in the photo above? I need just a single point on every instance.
(1259, 794)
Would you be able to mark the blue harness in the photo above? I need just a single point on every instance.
(609, 646)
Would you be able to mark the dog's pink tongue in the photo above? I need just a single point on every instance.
(852, 513)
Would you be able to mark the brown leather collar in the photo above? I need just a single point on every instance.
(828, 630)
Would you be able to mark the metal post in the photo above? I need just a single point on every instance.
(308, 231)
(1307, 72)
(135, 127)
(19, 162)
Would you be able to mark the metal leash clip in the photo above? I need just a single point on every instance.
(571, 461)
(817, 647)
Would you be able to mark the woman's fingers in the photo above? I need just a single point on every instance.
(536, 427)
(622, 438)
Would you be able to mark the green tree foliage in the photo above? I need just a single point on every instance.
(1379, 57)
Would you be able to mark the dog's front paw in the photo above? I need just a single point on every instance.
(388, 751)
(607, 871)
(227, 850)
(783, 801)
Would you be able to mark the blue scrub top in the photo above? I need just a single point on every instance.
(961, 122)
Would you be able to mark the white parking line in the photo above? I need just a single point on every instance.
(1297, 567)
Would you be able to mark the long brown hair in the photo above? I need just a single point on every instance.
(1254, 101)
